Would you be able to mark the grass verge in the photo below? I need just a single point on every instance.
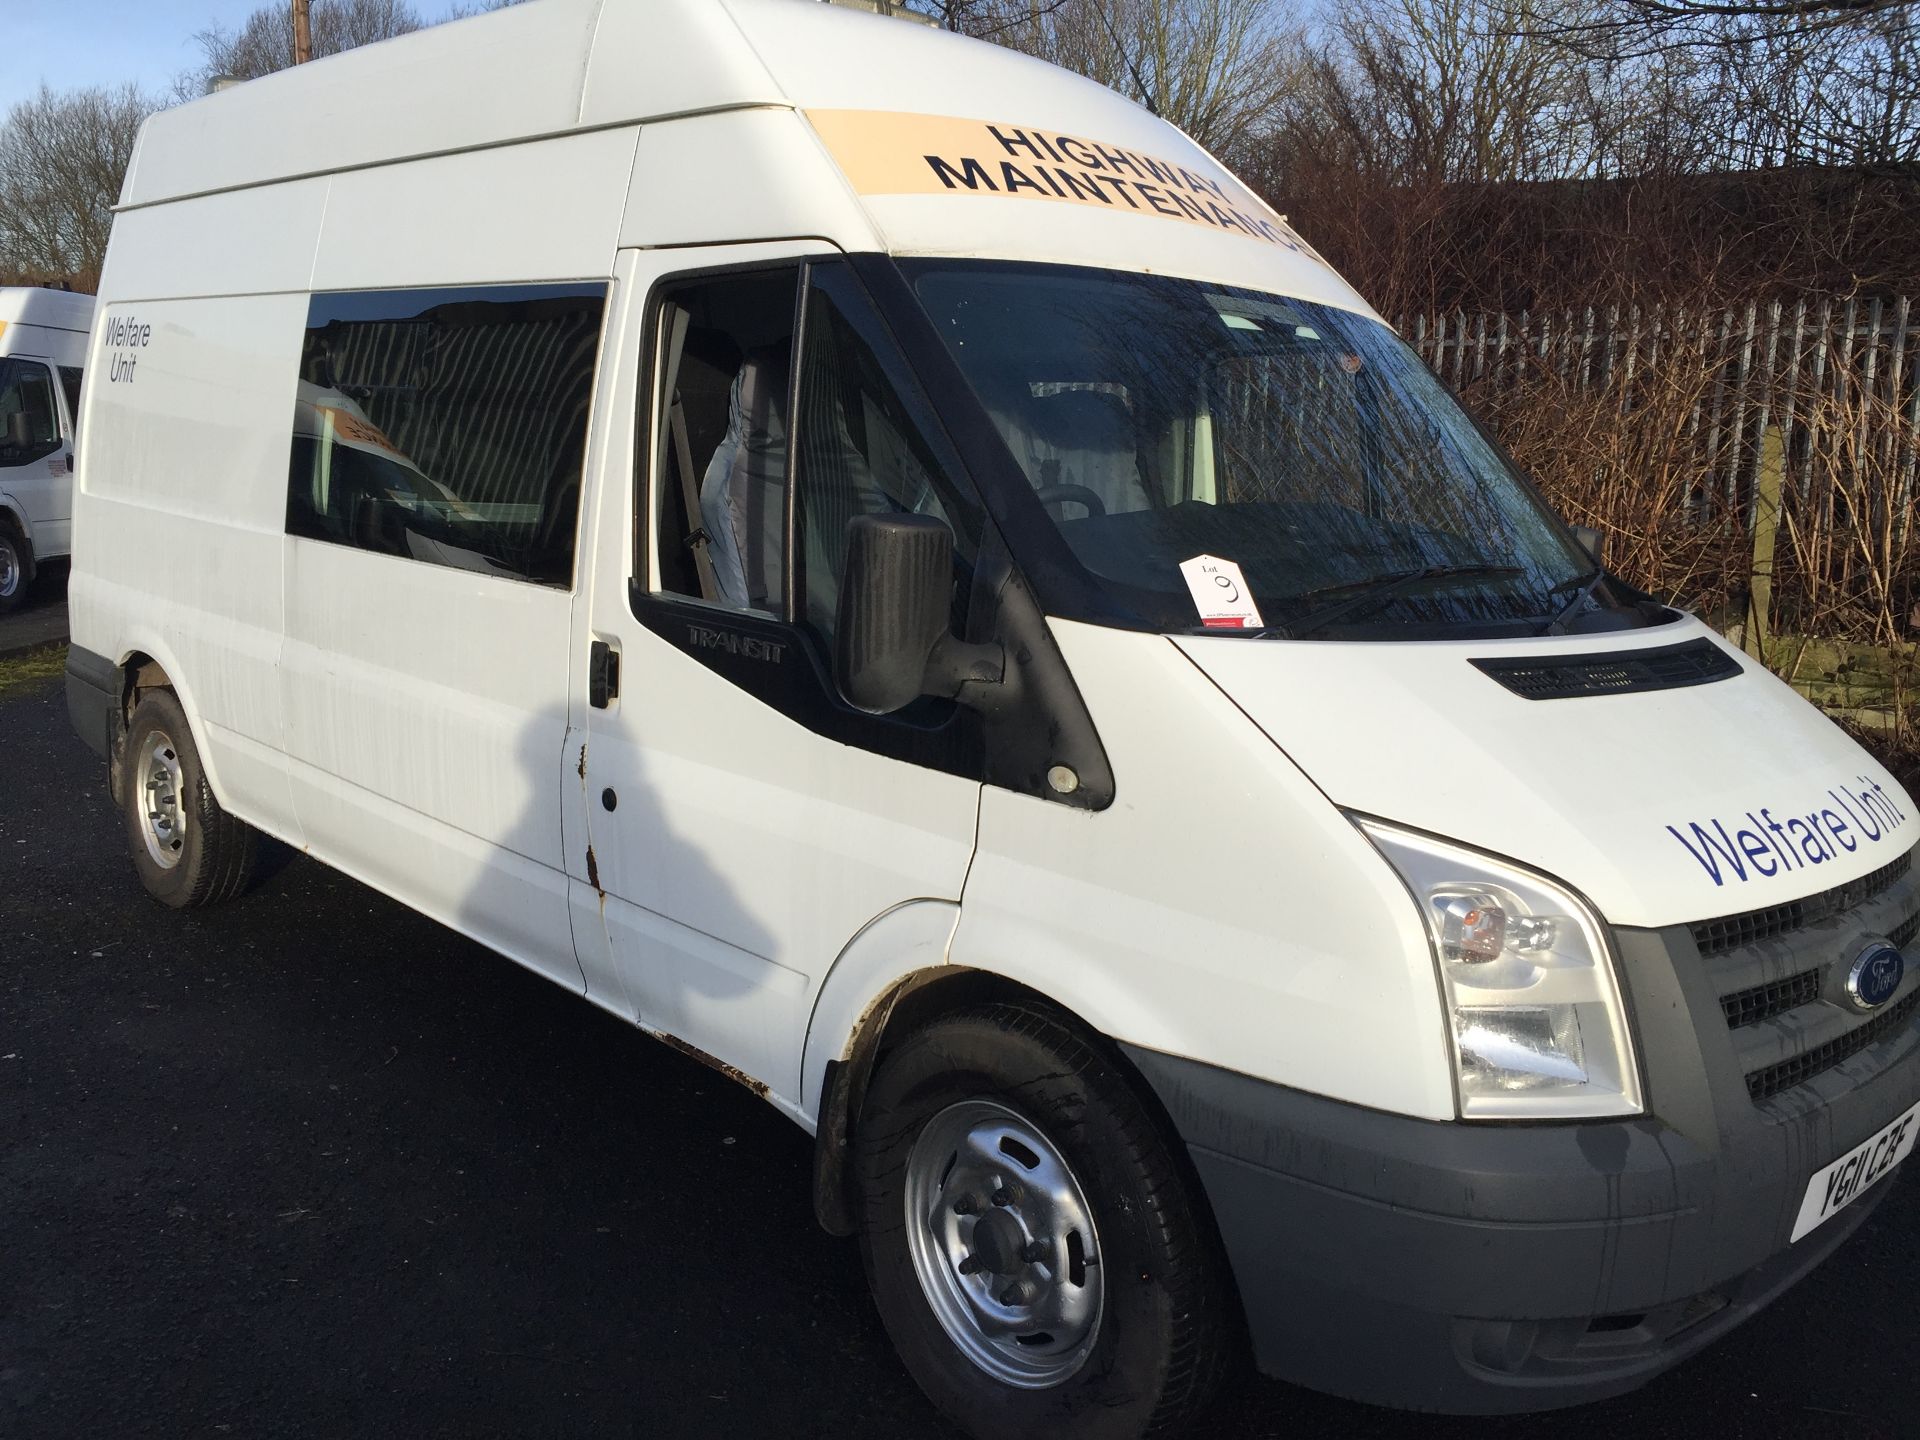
(19, 671)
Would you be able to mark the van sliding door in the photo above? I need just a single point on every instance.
(433, 504)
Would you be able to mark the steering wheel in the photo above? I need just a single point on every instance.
(1072, 495)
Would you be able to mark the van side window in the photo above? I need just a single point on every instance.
(447, 426)
(862, 447)
(720, 466)
(29, 418)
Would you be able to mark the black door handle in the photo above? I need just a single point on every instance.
(603, 675)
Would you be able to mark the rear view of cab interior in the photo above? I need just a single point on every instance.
(881, 563)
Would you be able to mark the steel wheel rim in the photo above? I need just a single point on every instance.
(163, 819)
(9, 569)
(1004, 1245)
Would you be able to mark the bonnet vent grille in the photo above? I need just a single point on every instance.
(1625, 672)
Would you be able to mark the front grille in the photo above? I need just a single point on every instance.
(1730, 932)
(1776, 997)
(1765, 1083)
(1620, 672)
(1902, 934)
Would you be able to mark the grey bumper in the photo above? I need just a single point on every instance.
(1480, 1269)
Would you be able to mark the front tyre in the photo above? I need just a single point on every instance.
(1032, 1241)
(189, 851)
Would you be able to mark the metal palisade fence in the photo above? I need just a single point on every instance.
(1790, 364)
(1672, 415)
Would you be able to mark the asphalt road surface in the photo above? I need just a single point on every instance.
(310, 1165)
(42, 616)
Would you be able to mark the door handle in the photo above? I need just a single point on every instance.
(603, 675)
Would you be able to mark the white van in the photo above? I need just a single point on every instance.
(43, 348)
(881, 563)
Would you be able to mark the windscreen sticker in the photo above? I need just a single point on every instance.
(1766, 844)
(1220, 594)
(885, 152)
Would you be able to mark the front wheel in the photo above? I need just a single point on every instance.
(189, 851)
(1032, 1241)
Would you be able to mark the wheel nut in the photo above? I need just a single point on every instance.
(1014, 1295)
(965, 1205)
(1003, 1197)
(1036, 1251)
(971, 1265)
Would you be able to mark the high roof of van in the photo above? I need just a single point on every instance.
(53, 309)
(551, 67)
(926, 141)
(543, 68)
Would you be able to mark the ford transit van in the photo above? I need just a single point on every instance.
(43, 344)
(881, 563)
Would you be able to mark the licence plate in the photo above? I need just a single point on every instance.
(1856, 1172)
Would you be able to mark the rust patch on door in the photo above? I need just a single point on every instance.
(583, 762)
(593, 873)
(713, 1062)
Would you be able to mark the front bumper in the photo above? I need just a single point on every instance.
(1481, 1269)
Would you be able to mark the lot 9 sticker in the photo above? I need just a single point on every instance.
(1220, 594)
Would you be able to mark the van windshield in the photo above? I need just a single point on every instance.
(1160, 421)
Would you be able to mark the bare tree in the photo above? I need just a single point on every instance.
(263, 43)
(63, 157)
(1454, 95)
(1623, 28)
(1215, 68)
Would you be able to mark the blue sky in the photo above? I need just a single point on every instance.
(71, 43)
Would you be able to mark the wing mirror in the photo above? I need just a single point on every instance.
(892, 641)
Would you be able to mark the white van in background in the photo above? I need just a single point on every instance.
(43, 348)
(881, 563)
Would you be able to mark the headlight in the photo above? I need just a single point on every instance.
(1539, 1031)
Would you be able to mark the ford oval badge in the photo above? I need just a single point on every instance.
(1876, 974)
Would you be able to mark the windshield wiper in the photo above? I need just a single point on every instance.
(1586, 585)
(1377, 592)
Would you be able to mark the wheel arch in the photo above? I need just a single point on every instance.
(139, 671)
(896, 975)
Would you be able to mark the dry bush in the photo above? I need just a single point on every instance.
(1658, 446)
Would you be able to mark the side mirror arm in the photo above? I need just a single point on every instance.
(956, 670)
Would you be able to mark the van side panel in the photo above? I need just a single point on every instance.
(425, 716)
(1221, 909)
(745, 174)
(669, 59)
(246, 243)
(499, 77)
(545, 211)
(180, 513)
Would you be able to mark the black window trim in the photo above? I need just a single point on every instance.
(647, 455)
(799, 683)
(606, 287)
